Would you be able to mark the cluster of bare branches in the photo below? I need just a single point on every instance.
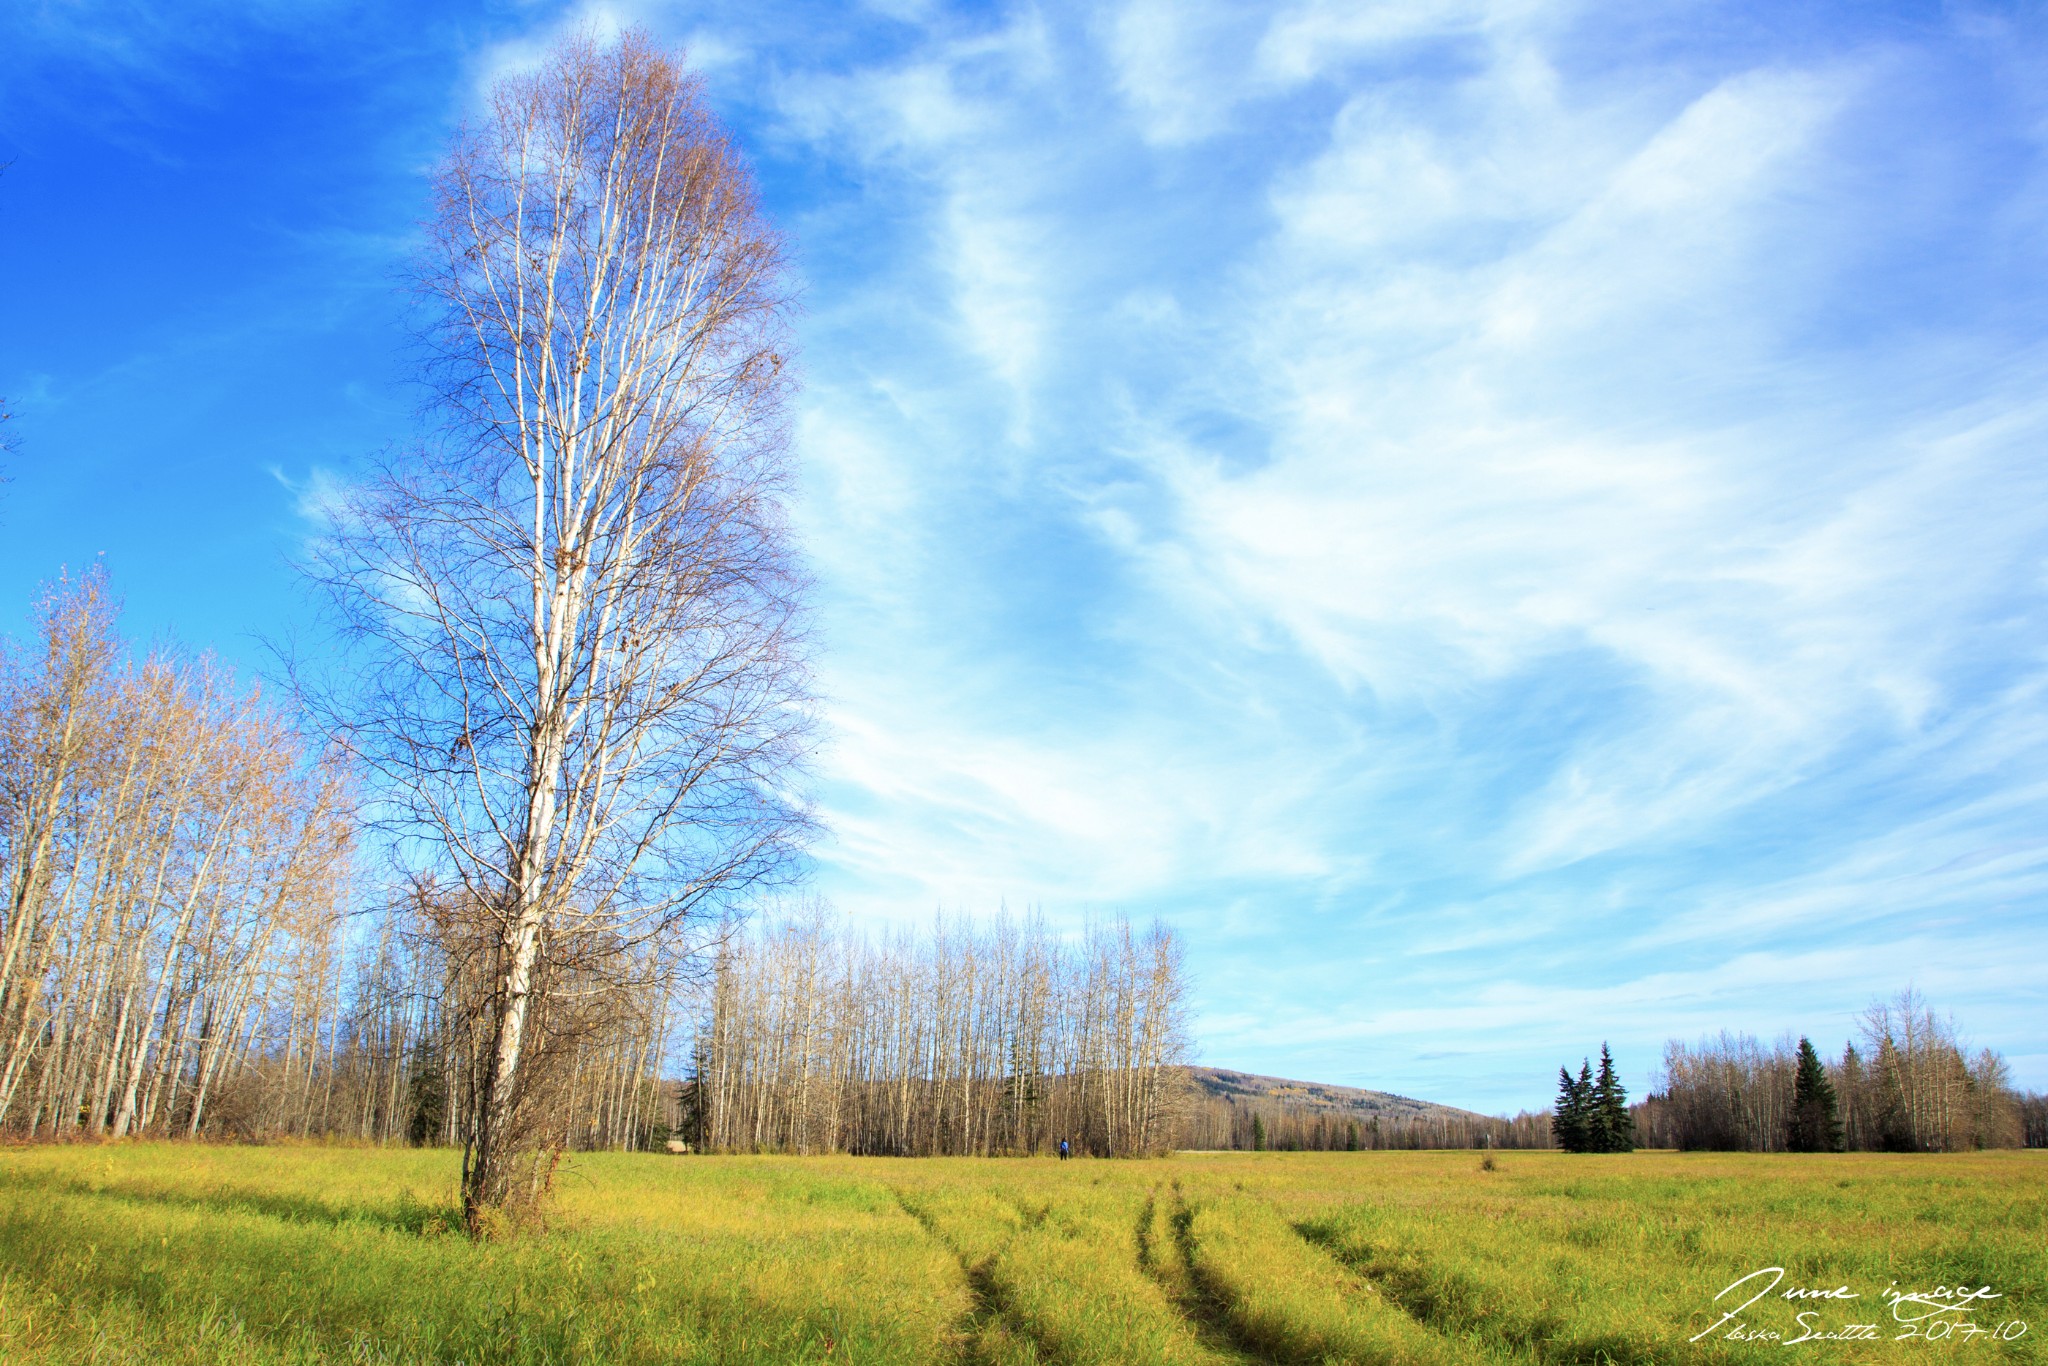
(172, 855)
(996, 1037)
(413, 1040)
(1912, 1087)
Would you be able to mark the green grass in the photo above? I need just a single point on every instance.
(173, 1253)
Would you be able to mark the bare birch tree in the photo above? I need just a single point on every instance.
(579, 676)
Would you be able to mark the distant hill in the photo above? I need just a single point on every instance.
(1350, 1102)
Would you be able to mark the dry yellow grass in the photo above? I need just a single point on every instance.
(306, 1254)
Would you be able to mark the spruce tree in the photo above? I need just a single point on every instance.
(1568, 1124)
(1613, 1129)
(428, 1096)
(1813, 1126)
(1258, 1134)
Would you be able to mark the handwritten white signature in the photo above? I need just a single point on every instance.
(1941, 1313)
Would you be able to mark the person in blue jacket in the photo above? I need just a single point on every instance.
(1063, 1150)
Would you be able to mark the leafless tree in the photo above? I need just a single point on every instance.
(578, 679)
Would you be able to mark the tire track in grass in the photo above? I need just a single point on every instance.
(1280, 1299)
(1452, 1303)
(1446, 1304)
(1174, 1267)
(1147, 1252)
(988, 1334)
(1166, 1268)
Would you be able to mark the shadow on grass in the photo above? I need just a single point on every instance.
(282, 1288)
(407, 1214)
(1452, 1303)
(1204, 1303)
(989, 1317)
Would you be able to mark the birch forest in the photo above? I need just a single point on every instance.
(173, 860)
(978, 1038)
(184, 949)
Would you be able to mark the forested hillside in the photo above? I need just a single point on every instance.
(1243, 1110)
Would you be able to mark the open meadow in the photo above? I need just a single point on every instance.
(181, 1253)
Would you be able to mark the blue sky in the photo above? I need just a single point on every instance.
(1509, 525)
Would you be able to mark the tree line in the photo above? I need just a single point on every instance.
(1226, 1122)
(172, 854)
(978, 1037)
(186, 948)
(1911, 1086)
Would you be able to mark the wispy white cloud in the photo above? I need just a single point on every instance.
(1488, 521)
(320, 498)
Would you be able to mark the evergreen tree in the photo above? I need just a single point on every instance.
(1611, 1128)
(1569, 1121)
(428, 1096)
(692, 1120)
(1351, 1138)
(1892, 1118)
(1020, 1091)
(1258, 1134)
(1813, 1126)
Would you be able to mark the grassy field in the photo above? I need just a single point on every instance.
(164, 1253)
